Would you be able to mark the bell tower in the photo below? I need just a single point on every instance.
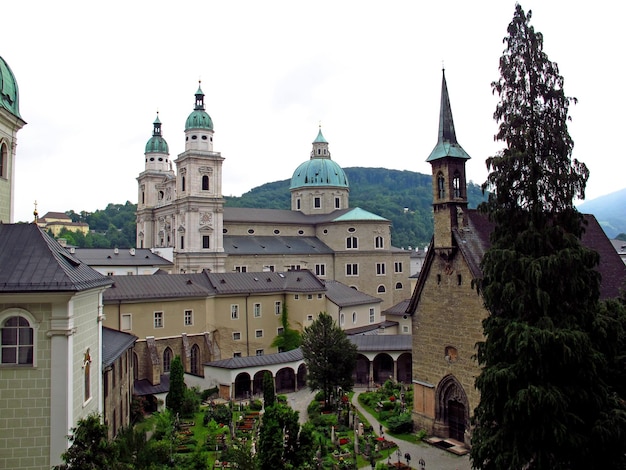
(448, 172)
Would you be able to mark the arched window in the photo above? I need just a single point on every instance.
(17, 341)
(354, 318)
(381, 289)
(342, 319)
(195, 360)
(87, 374)
(167, 359)
(3, 160)
(379, 242)
(441, 186)
(456, 184)
(398, 285)
(205, 183)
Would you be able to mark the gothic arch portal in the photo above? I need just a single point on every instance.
(451, 409)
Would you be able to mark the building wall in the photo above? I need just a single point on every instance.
(117, 390)
(25, 395)
(449, 314)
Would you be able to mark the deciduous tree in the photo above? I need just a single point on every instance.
(546, 398)
(329, 356)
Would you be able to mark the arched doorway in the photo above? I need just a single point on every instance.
(301, 378)
(362, 370)
(257, 385)
(383, 368)
(405, 373)
(452, 409)
(242, 385)
(285, 380)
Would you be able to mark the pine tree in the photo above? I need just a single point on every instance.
(269, 392)
(546, 400)
(329, 356)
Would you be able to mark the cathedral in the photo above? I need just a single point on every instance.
(181, 209)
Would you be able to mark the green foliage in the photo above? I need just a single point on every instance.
(221, 414)
(176, 396)
(112, 227)
(90, 448)
(269, 393)
(289, 339)
(400, 424)
(547, 398)
(330, 357)
(278, 436)
(190, 404)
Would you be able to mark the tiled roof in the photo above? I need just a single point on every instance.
(108, 257)
(241, 283)
(114, 344)
(345, 296)
(255, 361)
(32, 261)
(382, 342)
(274, 245)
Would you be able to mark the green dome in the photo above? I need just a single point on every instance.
(199, 118)
(157, 143)
(9, 94)
(319, 172)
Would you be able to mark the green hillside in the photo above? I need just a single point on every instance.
(404, 197)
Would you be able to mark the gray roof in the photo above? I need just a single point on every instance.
(345, 296)
(167, 286)
(114, 344)
(372, 329)
(398, 309)
(144, 387)
(256, 361)
(274, 245)
(288, 281)
(366, 343)
(205, 284)
(32, 261)
(123, 257)
(285, 216)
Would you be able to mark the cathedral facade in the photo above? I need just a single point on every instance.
(181, 208)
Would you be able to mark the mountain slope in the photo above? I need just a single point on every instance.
(610, 210)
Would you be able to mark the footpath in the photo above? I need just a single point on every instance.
(434, 458)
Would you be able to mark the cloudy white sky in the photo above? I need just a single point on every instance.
(93, 74)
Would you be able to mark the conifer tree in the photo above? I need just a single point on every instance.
(546, 399)
(176, 396)
(269, 391)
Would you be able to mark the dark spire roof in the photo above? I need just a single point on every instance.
(447, 146)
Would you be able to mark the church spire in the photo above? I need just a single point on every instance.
(447, 145)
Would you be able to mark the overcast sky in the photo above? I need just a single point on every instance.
(92, 75)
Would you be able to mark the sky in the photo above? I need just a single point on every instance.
(92, 76)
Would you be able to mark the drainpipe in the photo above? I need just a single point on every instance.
(247, 331)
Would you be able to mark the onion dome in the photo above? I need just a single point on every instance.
(319, 170)
(157, 143)
(9, 93)
(199, 118)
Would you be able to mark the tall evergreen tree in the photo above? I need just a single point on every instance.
(269, 392)
(329, 356)
(176, 396)
(545, 400)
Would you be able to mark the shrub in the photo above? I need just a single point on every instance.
(220, 414)
(256, 405)
(208, 393)
(401, 424)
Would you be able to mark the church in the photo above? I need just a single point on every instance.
(184, 211)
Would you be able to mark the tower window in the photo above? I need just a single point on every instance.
(206, 241)
(441, 186)
(337, 205)
(194, 137)
(182, 183)
(352, 243)
(379, 242)
(456, 184)
(205, 183)
(3, 161)
(204, 137)
(182, 242)
(317, 202)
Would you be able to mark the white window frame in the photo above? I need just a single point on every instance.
(258, 333)
(379, 242)
(352, 269)
(257, 310)
(381, 269)
(188, 317)
(372, 315)
(280, 330)
(158, 320)
(234, 311)
(129, 318)
(354, 318)
(18, 312)
(259, 352)
(397, 266)
(352, 243)
(236, 335)
(278, 307)
(320, 270)
(241, 269)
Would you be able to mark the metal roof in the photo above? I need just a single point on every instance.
(274, 245)
(118, 257)
(114, 344)
(345, 296)
(32, 261)
(243, 283)
(255, 361)
(144, 387)
(366, 343)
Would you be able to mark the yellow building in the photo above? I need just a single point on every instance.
(54, 222)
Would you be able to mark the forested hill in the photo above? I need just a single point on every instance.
(404, 197)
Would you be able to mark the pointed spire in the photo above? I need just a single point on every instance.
(320, 146)
(156, 132)
(447, 145)
(320, 137)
